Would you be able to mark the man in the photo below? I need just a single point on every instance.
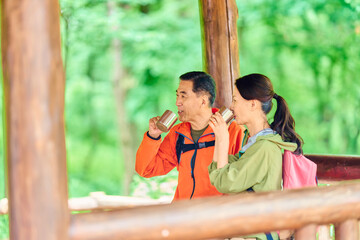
(189, 146)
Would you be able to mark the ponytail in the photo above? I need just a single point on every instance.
(284, 124)
(259, 87)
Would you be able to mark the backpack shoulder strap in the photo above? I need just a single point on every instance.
(179, 146)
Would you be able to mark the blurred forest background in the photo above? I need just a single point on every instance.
(123, 57)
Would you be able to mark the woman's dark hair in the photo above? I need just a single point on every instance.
(259, 87)
(202, 82)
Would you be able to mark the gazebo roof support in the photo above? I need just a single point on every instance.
(34, 104)
(220, 46)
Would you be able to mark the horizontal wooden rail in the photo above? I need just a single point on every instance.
(100, 201)
(330, 168)
(336, 167)
(225, 216)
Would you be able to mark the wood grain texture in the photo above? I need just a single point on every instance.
(306, 233)
(34, 104)
(347, 230)
(336, 168)
(225, 216)
(220, 46)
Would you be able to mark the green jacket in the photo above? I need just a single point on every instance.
(259, 168)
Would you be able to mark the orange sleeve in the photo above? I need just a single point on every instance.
(236, 134)
(154, 157)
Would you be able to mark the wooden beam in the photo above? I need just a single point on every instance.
(220, 45)
(348, 229)
(336, 167)
(34, 108)
(225, 216)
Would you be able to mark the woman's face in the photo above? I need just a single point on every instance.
(240, 107)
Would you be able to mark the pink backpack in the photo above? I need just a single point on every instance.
(298, 171)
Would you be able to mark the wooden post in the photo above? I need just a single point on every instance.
(34, 108)
(220, 45)
(307, 232)
(348, 229)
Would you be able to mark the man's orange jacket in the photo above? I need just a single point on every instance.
(156, 157)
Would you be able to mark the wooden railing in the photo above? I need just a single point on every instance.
(99, 201)
(336, 167)
(301, 209)
(228, 216)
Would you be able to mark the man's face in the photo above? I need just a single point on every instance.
(187, 102)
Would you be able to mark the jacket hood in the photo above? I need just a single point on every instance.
(276, 138)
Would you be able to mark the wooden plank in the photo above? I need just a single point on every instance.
(225, 216)
(220, 46)
(34, 107)
(348, 229)
(336, 167)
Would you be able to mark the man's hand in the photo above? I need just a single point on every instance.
(154, 132)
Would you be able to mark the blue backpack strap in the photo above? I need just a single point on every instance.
(192, 146)
(250, 189)
(268, 236)
(196, 146)
(179, 146)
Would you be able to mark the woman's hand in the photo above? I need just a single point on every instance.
(220, 128)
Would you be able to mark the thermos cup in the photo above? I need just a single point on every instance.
(226, 114)
(166, 121)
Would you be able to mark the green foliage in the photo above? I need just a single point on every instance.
(159, 40)
(161, 187)
(4, 227)
(310, 51)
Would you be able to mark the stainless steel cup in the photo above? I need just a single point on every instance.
(166, 121)
(227, 114)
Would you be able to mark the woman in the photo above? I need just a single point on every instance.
(258, 166)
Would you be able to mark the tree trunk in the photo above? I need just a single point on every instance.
(127, 131)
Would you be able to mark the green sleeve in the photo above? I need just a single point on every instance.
(238, 176)
(231, 159)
